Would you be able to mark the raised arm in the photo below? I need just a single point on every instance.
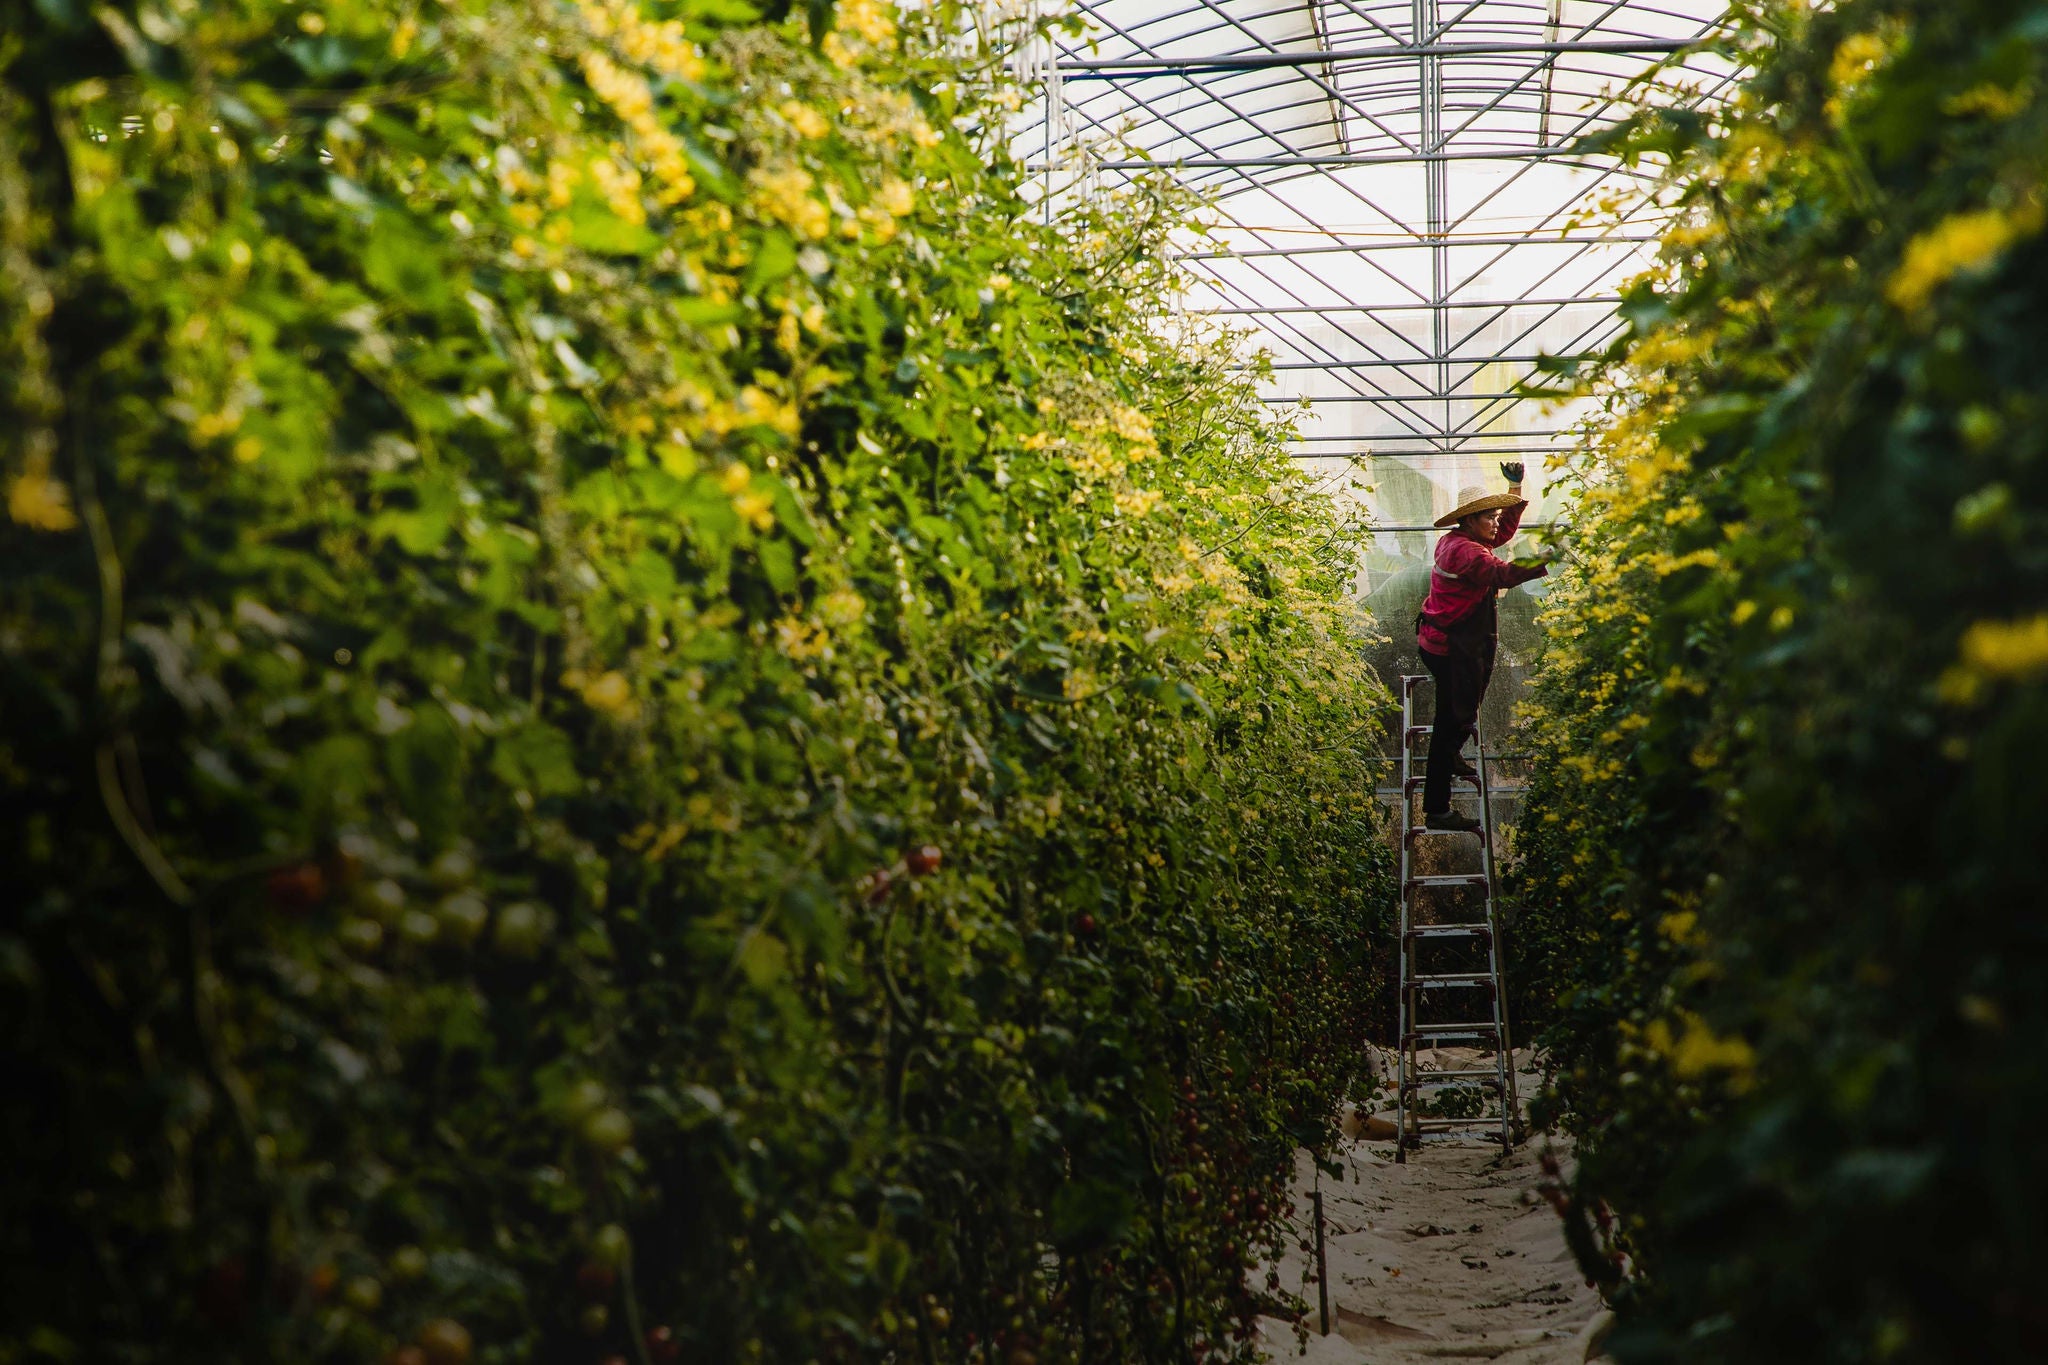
(1466, 559)
(1511, 517)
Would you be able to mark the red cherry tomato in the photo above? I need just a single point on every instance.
(923, 861)
(594, 1280)
(297, 888)
(444, 1341)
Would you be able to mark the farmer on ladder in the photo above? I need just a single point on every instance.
(1457, 631)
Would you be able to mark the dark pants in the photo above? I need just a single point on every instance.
(1461, 679)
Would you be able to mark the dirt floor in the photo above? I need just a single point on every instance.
(1453, 1255)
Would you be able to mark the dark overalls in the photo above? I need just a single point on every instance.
(1461, 679)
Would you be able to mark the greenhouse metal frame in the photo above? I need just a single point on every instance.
(1399, 199)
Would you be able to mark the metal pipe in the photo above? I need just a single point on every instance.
(1530, 239)
(1259, 61)
(1238, 163)
(1585, 300)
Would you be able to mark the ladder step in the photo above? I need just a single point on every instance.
(1465, 1030)
(1458, 780)
(1452, 931)
(1446, 1078)
(1417, 831)
(1454, 983)
(1455, 879)
(1451, 979)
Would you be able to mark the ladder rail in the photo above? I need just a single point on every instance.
(1506, 1054)
(1406, 942)
(1413, 982)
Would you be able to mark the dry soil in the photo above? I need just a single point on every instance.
(1453, 1255)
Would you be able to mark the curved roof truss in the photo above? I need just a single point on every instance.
(1398, 193)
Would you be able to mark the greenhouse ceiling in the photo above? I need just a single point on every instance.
(1397, 197)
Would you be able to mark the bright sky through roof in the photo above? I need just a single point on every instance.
(1395, 194)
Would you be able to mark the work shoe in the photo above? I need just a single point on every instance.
(1461, 766)
(1451, 820)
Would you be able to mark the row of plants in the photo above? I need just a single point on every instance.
(1780, 855)
(646, 716)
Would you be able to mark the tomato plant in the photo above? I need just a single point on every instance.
(635, 699)
(1778, 853)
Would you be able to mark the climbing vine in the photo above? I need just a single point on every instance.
(1779, 855)
(645, 719)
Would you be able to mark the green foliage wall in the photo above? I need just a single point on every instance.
(641, 718)
(1782, 860)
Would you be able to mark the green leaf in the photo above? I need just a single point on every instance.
(778, 562)
(774, 258)
(1091, 1215)
(595, 228)
(762, 957)
(538, 758)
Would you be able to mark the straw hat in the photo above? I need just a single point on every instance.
(1476, 499)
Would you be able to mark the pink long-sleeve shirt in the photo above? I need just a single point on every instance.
(1467, 573)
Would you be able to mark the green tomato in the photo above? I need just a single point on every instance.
(585, 1098)
(595, 1318)
(453, 868)
(608, 1130)
(417, 926)
(521, 929)
(463, 916)
(610, 1245)
(408, 1263)
(361, 935)
(382, 900)
(363, 1293)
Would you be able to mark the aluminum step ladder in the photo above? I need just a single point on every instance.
(1438, 986)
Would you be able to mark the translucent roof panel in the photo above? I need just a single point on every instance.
(1396, 190)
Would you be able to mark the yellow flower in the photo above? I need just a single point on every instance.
(1138, 502)
(736, 479)
(1992, 101)
(896, 197)
(1681, 927)
(867, 19)
(759, 407)
(2016, 650)
(842, 607)
(35, 499)
(756, 508)
(609, 693)
(808, 122)
(1698, 1051)
(784, 194)
(630, 98)
(800, 640)
(1963, 242)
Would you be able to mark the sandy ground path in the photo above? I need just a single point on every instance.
(1453, 1255)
